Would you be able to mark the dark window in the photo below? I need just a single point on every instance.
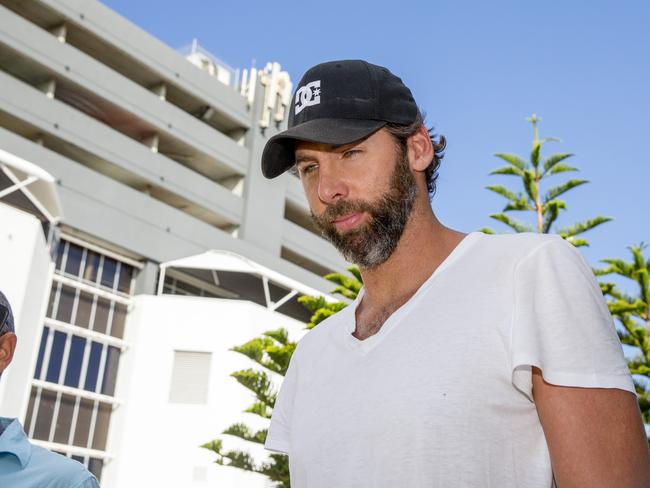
(66, 301)
(75, 360)
(183, 288)
(56, 356)
(126, 273)
(64, 419)
(60, 251)
(30, 410)
(41, 352)
(92, 266)
(44, 417)
(82, 429)
(95, 466)
(294, 309)
(101, 315)
(110, 370)
(247, 286)
(50, 305)
(84, 309)
(73, 262)
(79, 459)
(108, 273)
(119, 317)
(93, 366)
(277, 292)
(101, 426)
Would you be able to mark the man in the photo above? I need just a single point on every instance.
(23, 465)
(467, 359)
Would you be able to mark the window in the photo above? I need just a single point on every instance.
(190, 377)
(71, 400)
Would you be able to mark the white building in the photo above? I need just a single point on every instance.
(121, 157)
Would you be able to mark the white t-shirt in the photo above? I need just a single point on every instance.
(441, 396)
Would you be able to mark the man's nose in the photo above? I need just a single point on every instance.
(331, 187)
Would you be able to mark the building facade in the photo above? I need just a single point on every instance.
(121, 157)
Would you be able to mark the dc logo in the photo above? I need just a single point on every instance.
(307, 95)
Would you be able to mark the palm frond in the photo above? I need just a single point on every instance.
(551, 212)
(508, 170)
(514, 224)
(512, 159)
(560, 168)
(555, 159)
(529, 185)
(504, 192)
(534, 154)
(576, 241)
(580, 227)
(563, 188)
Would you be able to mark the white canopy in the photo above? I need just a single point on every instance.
(217, 260)
(34, 182)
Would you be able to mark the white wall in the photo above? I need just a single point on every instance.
(25, 277)
(156, 442)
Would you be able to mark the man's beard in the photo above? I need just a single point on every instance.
(375, 240)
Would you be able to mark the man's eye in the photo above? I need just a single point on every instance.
(308, 168)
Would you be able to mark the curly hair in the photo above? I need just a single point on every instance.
(402, 132)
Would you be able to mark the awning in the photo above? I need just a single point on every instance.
(218, 260)
(34, 182)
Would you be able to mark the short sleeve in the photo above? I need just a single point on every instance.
(277, 438)
(90, 482)
(561, 323)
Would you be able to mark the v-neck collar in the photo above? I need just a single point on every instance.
(349, 313)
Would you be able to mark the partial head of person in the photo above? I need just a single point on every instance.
(357, 140)
(7, 335)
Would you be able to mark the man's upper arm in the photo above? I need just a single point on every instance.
(89, 482)
(595, 435)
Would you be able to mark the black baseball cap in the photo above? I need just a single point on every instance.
(339, 102)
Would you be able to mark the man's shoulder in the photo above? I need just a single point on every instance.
(60, 470)
(322, 333)
(519, 245)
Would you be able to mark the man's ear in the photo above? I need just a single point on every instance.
(7, 348)
(420, 149)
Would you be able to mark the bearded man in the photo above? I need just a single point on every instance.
(467, 359)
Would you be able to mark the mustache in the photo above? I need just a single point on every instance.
(340, 208)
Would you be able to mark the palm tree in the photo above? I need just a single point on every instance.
(547, 206)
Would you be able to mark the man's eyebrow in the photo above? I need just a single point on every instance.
(304, 158)
(335, 147)
(350, 144)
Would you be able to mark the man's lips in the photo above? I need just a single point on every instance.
(348, 221)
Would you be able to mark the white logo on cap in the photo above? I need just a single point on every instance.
(307, 95)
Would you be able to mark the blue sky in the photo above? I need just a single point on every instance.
(477, 69)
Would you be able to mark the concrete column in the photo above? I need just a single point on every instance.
(146, 280)
(262, 220)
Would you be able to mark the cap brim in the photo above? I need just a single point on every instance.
(278, 155)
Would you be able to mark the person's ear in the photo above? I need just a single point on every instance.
(7, 348)
(420, 149)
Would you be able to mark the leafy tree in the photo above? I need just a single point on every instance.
(271, 352)
(546, 206)
(632, 313)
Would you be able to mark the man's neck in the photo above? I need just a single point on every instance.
(424, 245)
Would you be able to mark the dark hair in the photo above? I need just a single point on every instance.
(402, 132)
